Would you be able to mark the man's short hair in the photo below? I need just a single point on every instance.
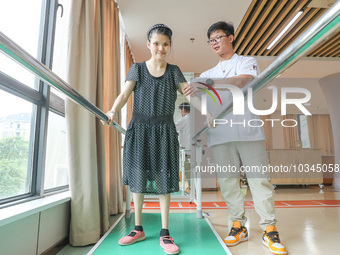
(185, 105)
(226, 27)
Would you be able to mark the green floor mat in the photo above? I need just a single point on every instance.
(192, 235)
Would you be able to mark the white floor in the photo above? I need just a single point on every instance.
(312, 231)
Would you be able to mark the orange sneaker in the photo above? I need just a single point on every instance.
(237, 234)
(270, 238)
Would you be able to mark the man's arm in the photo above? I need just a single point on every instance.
(247, 70)
(179, 124)
(238, 81)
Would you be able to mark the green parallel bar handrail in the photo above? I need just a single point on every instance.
(14, 51)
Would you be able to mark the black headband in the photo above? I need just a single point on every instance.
(159, 26)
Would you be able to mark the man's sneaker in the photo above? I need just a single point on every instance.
(270, 238)
(237, 234)
(133, 237)
(168, 244)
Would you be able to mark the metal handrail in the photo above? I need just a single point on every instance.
(14, 51)
(326, 25)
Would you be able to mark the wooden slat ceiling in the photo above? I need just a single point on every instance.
(265, 19)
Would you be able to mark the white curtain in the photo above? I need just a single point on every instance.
(85, 134)
(111, 77)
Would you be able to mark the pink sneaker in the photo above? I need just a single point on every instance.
(130, 238)
(168, 244)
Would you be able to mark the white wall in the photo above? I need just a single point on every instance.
(36, 233)
(330, 86)
(20, 237)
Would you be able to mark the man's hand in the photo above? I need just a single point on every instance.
(210, 120)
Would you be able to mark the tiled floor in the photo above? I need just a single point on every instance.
(312, 231)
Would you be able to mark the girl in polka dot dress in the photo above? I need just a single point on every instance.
(151, 149)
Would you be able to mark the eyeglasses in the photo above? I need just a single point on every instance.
(216, 40)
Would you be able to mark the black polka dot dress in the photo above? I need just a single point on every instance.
(151, 148)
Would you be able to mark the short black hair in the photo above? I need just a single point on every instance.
(226, 27)
(185, 105)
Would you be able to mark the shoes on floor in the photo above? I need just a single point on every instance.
(237, 234)
(133, 237)
(168, 244)
(270, 238)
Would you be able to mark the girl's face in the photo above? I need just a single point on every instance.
(159, 45)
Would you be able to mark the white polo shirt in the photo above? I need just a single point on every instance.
(240, 130)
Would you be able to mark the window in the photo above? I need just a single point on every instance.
(61, 43)
(55, 165)
(22, 25)
(15, 148)
(56, 172)
(24, 108)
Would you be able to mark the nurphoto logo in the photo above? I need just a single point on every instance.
(239, 99)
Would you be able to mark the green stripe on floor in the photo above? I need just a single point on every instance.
(192, 235)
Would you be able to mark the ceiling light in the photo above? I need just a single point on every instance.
(284, 30)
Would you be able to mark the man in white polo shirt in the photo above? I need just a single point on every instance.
(233, 144)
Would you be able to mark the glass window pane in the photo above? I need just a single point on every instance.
(17, 119)
(61, 40)
(20, 21)
(17, 72)
(56, 174)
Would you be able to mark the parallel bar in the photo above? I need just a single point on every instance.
(328, 24)
(14, 51)
(198, 185)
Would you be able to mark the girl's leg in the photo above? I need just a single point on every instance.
(138, 200)
(164, 201)
(166, 241)
(137, 234)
